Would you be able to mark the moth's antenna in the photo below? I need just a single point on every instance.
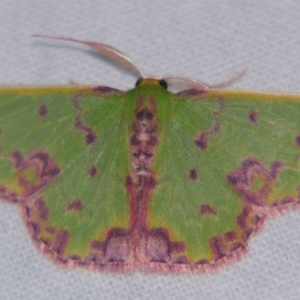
(184, 83)
(110, 52)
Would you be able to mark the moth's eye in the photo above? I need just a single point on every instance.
(139, 81)
(163, 84)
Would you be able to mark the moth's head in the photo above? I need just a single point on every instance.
(159, 82)
(174, 84)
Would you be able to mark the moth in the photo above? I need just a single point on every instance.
(147, 179)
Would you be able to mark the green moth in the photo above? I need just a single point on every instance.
(147, 178)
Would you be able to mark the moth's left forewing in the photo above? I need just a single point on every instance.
(64, 157)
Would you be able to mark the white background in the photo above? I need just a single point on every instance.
(206, 40)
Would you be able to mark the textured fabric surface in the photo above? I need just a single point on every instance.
(207, 40)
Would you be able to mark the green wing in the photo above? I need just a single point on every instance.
(64, 157)
(225, 162)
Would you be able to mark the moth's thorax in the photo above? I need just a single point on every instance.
(144, 137)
